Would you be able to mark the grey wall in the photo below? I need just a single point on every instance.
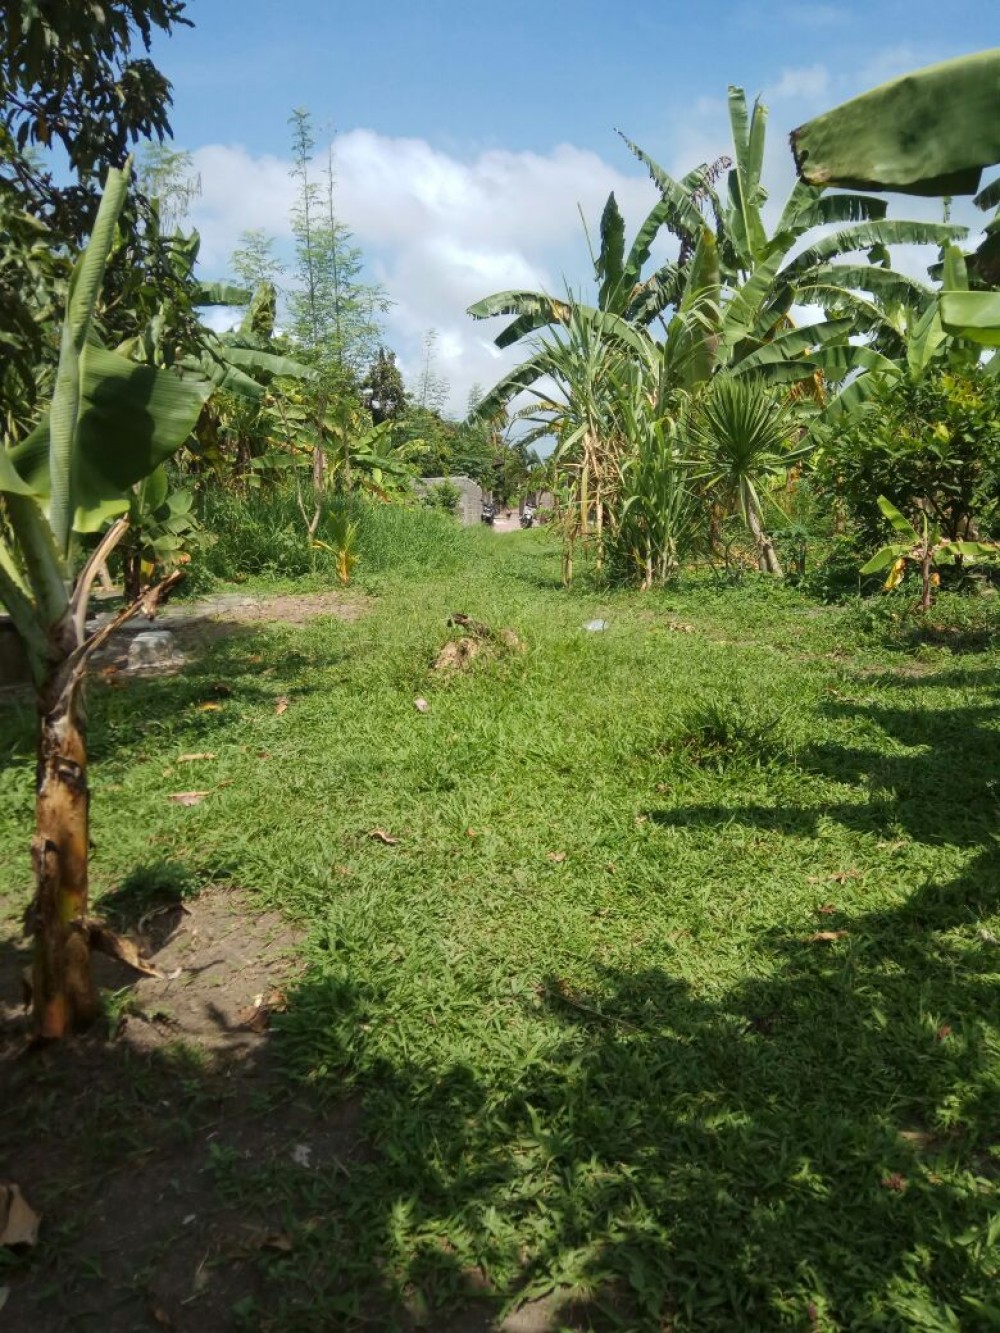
(471, 503)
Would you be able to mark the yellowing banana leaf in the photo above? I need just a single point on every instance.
(928, 133)
(132, 418)
(972, 315)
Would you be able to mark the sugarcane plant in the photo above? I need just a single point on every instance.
(924, 549)
(110, 423)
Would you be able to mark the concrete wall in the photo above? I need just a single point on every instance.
(470, 504)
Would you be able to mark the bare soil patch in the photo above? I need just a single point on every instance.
(125, 1140)
(292, 608)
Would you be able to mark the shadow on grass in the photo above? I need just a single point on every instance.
(244, 669)
(817, 1145)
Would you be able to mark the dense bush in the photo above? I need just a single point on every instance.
(444, 495)
(931, 445)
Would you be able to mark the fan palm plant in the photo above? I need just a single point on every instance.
(743, 439)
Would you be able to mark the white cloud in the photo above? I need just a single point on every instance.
(439, 232)
(806, 83)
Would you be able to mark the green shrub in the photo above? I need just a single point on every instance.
(444, 495)
(934, 445)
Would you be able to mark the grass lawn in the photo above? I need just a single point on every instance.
(672, 1005)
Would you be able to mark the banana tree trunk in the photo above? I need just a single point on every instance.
(65, 998)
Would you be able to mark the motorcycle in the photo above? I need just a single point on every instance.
(527, 516)
(488, 514)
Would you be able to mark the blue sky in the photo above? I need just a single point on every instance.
(468, 133)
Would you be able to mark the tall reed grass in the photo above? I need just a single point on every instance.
(262, 533)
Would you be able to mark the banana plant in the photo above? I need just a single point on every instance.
(728, 259)
(930, 132)
(924, 549)
(163, 531)
(111, 422)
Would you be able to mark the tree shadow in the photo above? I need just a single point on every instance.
(812, 1145)
(801, 1147)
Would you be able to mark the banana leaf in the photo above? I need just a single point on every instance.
(972, 315)
(928, 133)
(682, 216)
(611, 260)
(132, 418)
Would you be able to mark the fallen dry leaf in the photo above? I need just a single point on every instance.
(917, 1138)
(842, 876)
(943, 1032)
(188, 797)
(472, 833)
(161, 1317)
(343, 870)
(827, 936)
(259, 1238)
(380, 835)
(18, 1220)
(108, 941)
(895, 1182)
(210, 708)
(281, 705)
(555, 856)
(194, 758)
(421, 705)
(827, 909)
(680, 627)
(254, 1016)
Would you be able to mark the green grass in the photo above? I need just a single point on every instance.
(600, 1050)
(264, 534)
